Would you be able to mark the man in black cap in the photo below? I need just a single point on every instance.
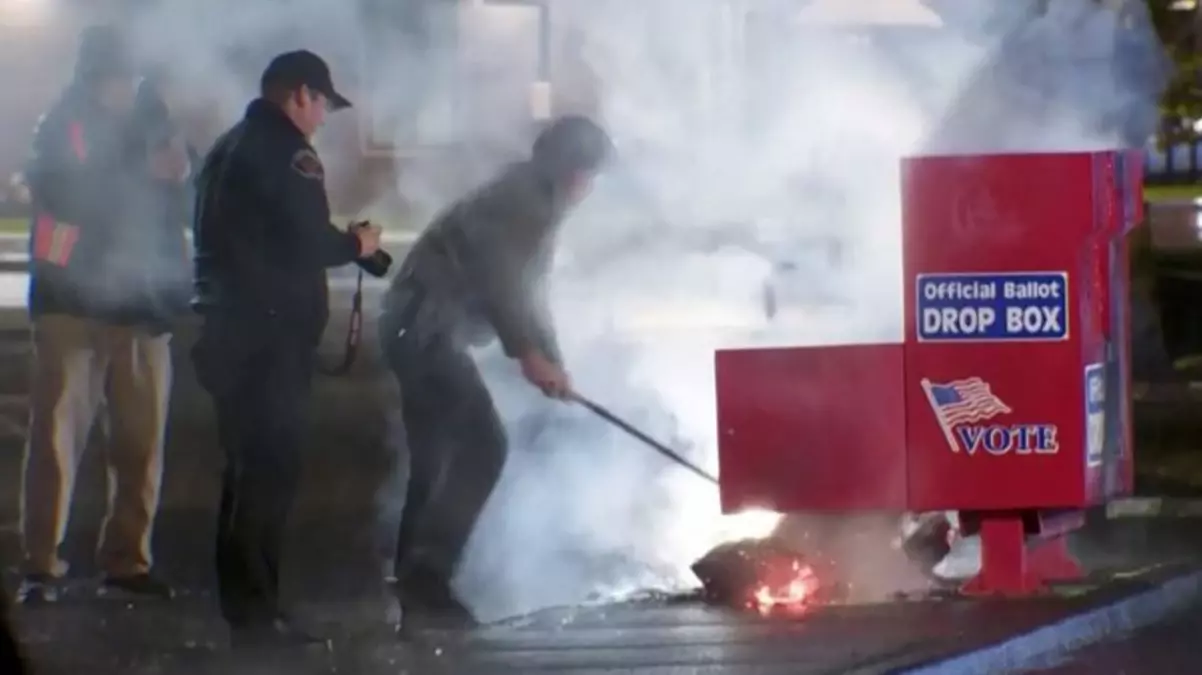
(476, 274)
(263, 240)
(98, 334)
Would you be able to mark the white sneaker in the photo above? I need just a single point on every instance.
(962, 562)
(39, 589)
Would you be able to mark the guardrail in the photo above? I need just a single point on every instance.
(339, 277)
(14, 257)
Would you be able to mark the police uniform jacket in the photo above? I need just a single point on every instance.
(261, 227)
(480, 270)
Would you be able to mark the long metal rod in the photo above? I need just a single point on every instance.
(650, 442)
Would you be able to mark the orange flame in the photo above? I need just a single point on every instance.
(794, 593)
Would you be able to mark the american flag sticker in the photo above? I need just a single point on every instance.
(966, 401)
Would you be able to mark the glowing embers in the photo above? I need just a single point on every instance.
(790, 585)
(763, 575)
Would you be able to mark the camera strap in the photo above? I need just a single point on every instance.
(354, 333)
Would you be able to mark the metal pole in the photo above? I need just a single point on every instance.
(647, 440)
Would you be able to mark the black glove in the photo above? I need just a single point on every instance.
(377, 264)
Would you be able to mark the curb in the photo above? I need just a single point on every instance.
(1044, 647)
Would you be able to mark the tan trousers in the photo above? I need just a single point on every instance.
(78, 366)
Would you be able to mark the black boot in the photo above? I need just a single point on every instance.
(427, 594)
(146, 585)
(278, 634)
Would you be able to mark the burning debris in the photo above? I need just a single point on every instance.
(763, 575)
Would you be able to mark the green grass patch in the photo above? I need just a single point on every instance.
(1182, 469)
(1160, 193)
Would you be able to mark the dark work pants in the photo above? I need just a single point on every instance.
(260, 382)
(457, 449)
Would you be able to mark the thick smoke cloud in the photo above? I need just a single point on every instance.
(778, 171)
(756, 203)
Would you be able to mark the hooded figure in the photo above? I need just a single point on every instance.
(477, 274)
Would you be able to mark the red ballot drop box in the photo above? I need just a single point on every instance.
(1008, 400)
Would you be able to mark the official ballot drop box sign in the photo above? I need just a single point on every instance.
(992, 307)
(1010, 280)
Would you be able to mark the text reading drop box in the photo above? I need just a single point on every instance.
(996, 307)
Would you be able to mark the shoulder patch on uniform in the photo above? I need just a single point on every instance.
(306, 163)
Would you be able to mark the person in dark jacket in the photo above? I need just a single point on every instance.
(477, 273)
(97, 335)
(263, 240)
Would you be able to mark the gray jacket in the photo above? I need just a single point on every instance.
(480, 270)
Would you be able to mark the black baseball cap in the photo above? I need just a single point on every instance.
(303, 68)
(103, 53)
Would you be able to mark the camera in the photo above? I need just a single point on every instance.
(378, 263)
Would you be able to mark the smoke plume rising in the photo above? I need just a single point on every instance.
(743, 199)
(756, 203)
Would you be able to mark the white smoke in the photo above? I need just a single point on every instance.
(759, 159)
(755, 172)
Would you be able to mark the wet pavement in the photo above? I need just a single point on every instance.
(655, 637)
